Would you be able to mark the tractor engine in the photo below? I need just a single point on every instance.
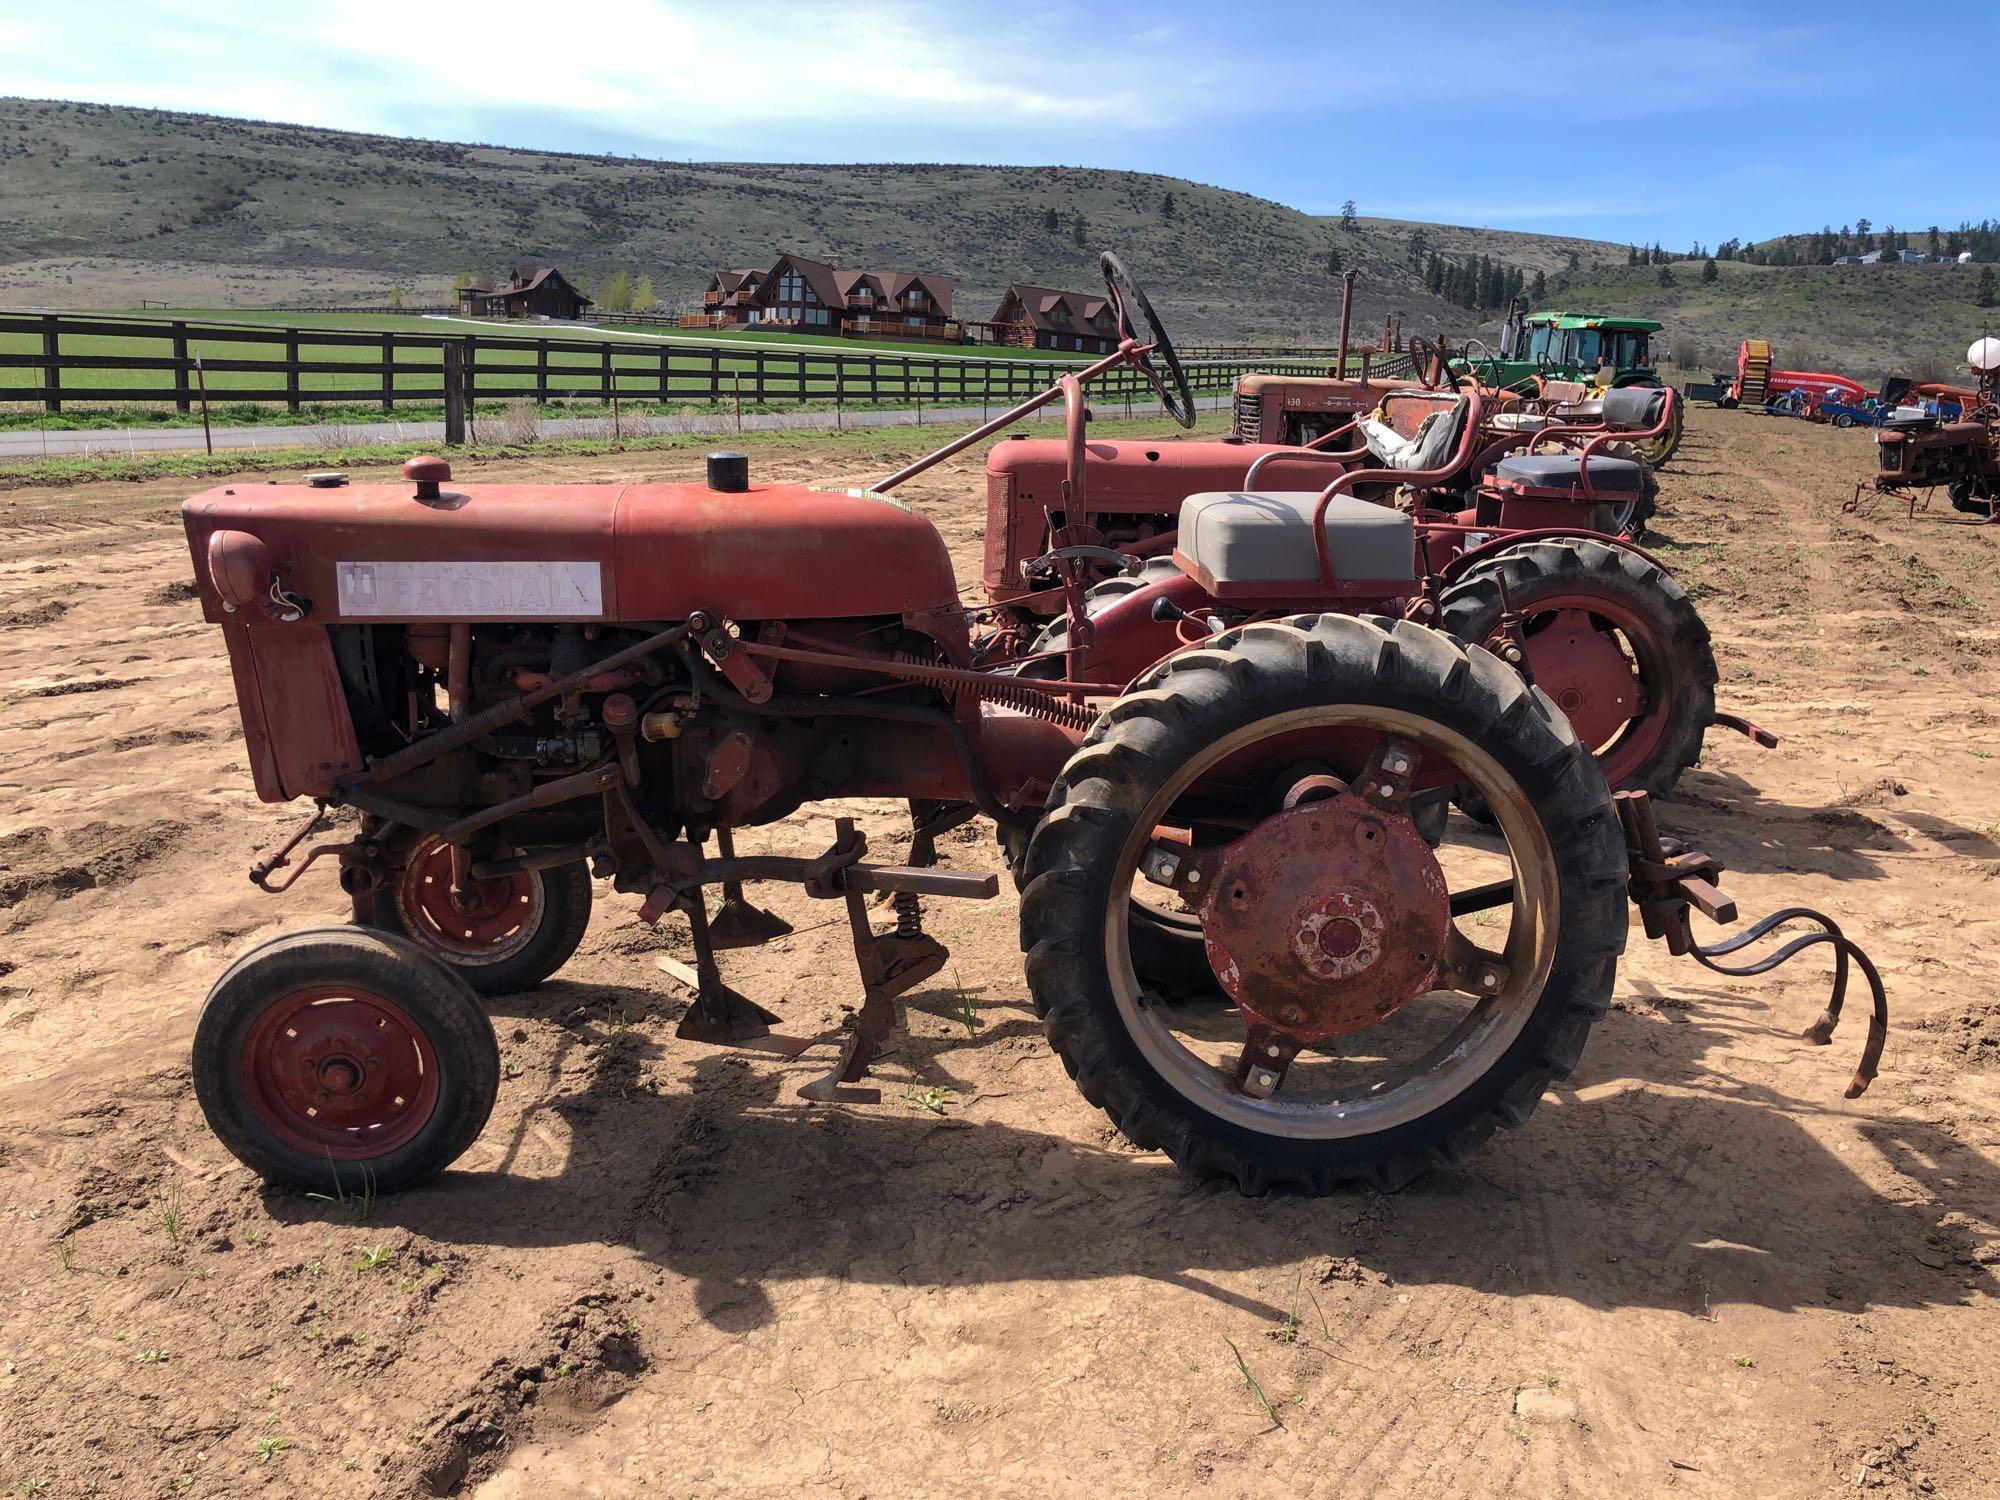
(363, 620)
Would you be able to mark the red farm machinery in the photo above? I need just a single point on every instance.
(1944, 437)
(1256, 934)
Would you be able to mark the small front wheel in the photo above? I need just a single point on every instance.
(343, 1061)
(505, 934)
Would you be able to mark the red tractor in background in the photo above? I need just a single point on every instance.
(1500, 532)
(501, 683)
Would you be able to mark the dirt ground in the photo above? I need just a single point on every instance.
(1698, 1269)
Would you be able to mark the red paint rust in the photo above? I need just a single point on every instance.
(1325, 919)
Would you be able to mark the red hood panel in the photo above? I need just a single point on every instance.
(580, 552)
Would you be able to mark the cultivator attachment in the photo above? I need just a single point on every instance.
(891, 963)
(1668, 879)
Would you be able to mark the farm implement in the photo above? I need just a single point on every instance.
(1256, 935)
(1919, 449)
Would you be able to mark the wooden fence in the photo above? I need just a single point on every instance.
(60, 360)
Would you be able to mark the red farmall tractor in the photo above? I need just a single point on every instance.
(1252, 940)
(1510, 515)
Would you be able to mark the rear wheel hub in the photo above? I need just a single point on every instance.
(1323, 919)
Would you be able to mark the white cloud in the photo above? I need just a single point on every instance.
(720, 79)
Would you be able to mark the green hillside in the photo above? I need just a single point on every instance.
(104, 206)
(109, 207)
(1864, 321)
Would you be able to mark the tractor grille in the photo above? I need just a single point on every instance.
(1248, 415)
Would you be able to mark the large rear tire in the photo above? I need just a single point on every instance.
(1625, 615)
(1276, 686)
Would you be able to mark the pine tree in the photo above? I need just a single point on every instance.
(1574, 260)
(1539, 288)
(1347, 214)
(1052, 222)
(1418, 243)
(1666, 276)
(1167, 206)
(1079, 231)
(643, 299)
(1985, 295)
(1708, 270)
(1333, 262)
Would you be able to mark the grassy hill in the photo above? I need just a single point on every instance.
(1864, 321)
(103, 206)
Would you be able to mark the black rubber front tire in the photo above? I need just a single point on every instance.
(565, 893)
(443, 1006)
(1568, 567)
(1243, 678)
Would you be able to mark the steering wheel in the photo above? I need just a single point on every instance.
(1126, 295)
(1429, 363)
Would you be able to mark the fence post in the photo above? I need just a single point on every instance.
(388, 372)
(605, 379)
(666, 371)
(736, 382)
(471, 376)
(454, 396)
(292, 402)
(181, 371)
(802, 378)
(52, 369)
(207, 437)
(541, 372)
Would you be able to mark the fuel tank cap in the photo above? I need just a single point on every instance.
(729, 473)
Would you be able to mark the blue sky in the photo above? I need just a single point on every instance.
(1619, 121)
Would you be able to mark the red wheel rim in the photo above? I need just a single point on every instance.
(496, 921)
(1617, 697)
(340, 1072)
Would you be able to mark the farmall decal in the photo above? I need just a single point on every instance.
(472, 590)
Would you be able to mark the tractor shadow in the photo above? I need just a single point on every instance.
(1750, 828)
(1649, 1180)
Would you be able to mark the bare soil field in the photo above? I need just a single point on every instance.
(1697, 1270)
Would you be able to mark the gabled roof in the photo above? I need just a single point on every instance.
(1040, 305)
(817, 274)
(736, 285)
(528, 278)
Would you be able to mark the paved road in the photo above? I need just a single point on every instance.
(132, 440)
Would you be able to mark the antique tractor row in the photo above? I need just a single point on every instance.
(1254, 940)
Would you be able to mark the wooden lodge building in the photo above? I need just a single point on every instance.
(809, 296)
(530, 292)
(1036, 317)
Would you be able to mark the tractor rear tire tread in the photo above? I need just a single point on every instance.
(1471, 608)
(1244, 675)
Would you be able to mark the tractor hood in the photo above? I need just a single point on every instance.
(432, 549)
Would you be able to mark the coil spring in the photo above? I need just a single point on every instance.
(1012, 693)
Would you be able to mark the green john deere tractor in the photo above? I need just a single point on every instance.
(1587, 348)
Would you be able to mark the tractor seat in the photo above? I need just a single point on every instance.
(1434, 441)
(1265, 536)
(1563, 471)
(1631, 408)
